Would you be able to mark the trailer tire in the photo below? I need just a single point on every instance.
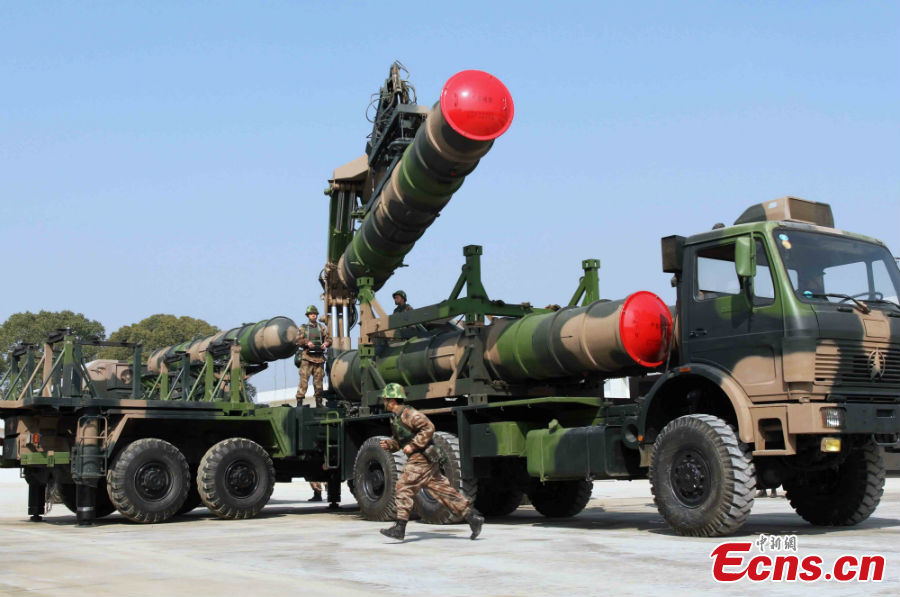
(429, 509)
(148, 480)
(844, 495)
(702, 476)
(495, 499)
(236, 478)
(375, 474)
(103, 507)
(561, 499)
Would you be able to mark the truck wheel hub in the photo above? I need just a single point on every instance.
(373, 484)
(241, 478)
(152, 481)
(690, 477)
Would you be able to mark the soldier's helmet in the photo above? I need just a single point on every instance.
(312, 309)
(393, 391)
(399, 293)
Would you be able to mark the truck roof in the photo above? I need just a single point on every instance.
(785, 212)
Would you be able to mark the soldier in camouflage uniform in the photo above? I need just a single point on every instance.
(400, 306)
(313, 340)
(412, 432)
(400, 301)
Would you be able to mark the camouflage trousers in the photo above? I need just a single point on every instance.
(317, 370)
(420, 474)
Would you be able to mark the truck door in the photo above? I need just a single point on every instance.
(726, 327)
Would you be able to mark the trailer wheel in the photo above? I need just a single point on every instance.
(495, 499)
(103, 507)
(702, 477)
(236, 478)
(429, 509)
(375, 474)
(843, 495)
(148, 480)
(192, 500)
(561, 499)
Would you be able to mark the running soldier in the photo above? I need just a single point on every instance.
(412, 432)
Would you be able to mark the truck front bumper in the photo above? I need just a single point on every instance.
(819, 418)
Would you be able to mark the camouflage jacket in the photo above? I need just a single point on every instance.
(317, 334)
(402, 308)
(419, 425)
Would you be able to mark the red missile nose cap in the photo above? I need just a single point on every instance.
(645, 328)
(477, 105)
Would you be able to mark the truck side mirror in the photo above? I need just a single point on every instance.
(745, 257)
(672, 254)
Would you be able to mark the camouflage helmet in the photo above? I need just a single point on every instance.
(393, 391)
(312, 309)
(399, 293)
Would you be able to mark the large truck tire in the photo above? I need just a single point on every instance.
(235, 478)
(375, 474)
(843, 495)
(429, 509)
(561, 499)
(148, 480)
(495, 499)
(702, 477)
(103, 507)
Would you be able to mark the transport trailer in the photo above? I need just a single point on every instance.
(99, 438)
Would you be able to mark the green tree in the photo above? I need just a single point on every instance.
(156, 332)
(34, 327)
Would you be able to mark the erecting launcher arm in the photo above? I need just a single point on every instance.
(474, 109)
(402, 194)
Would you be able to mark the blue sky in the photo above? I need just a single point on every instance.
(171, 157)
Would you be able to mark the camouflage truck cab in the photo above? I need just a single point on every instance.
(787, 358)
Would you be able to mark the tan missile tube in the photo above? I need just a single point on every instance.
(261, 342)
(606, 337)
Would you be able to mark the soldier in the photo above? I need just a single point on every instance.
(412, 432)
(313, 340)
(400, 302)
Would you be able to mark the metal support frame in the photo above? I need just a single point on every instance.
(60, 373)
(588, 289)
(471, 378)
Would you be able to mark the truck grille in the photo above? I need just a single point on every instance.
(874, 365)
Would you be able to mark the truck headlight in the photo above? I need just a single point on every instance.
(833, 417)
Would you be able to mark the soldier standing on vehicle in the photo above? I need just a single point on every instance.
(313, 340)
(412, 432)
(400, 302)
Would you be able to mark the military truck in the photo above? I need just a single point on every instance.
(778, 365)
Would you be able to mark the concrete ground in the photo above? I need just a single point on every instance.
(618, 545)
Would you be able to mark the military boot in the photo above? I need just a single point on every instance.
(398, 531)
(317, 497)
(476, 521)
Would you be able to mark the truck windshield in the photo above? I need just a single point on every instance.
(824, 267)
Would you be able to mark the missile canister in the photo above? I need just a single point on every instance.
(267, 340)
(605, 337)
(475, 108)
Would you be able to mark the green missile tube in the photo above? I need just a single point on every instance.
(474, 109)
(610, 338)
(261, 342)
